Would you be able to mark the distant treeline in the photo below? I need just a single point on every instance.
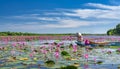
(94, 34)
(16, 34)
(8, 33)
(30, 34)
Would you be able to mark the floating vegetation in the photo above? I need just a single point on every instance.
(5, 67)
(50, 63)
(76, 64)
(65, 53)
(118, 67)
(62, 54)
(69, 67)
(99, 62)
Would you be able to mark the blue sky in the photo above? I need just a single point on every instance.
(59, 16)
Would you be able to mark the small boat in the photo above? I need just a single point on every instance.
(99, 43)
(80, 43)
(91, 43)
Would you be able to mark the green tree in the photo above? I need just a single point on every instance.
(111, 32)
(117, 29)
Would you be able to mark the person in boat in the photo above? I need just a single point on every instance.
(79, 37)
(87, 42)
(80, 40)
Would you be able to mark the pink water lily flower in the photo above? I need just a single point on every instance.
(57, 53)
(86, 56)
(31, 55)
(74, 48)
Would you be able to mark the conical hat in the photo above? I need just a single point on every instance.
(79, 34)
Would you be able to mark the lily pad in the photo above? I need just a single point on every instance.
(20, 66)
(50, 63)
(5, 67)
(33, 68)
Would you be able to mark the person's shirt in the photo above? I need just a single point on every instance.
(79, 38)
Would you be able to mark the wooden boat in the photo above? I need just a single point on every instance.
(99, 43)
(92, 43)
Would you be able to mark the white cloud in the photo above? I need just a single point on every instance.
(106, 12)
(84, 13)
(103, 14)
(23, 26)
(103, 6)
(35, 17)
(53, 13)
(67, 23)
(48, 18)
